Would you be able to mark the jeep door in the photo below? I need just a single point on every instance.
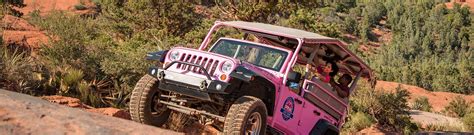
(318, 104)
(287, 110)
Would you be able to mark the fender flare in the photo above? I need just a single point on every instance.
(250, 77)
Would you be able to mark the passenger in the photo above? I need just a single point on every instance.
(327, 71)
(342, 85)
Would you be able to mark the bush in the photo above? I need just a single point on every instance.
(390, 110)
(70, 80)
(350, 25)
(458, 107)
(395, 111)
(421, 103)
(17, 71)
(314, 21)
(89, 95)
(253, 11)
(111, 46)
(358, 121)
(468, 121)
(375, 12)
(76, 43)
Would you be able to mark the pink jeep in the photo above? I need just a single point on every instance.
(250, 85)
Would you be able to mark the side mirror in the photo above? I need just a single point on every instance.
(293, 77)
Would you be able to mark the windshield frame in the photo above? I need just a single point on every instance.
(285, 63)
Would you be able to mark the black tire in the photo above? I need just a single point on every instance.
(331, 132)
(241, 113)
(143, 100)
(323, 127)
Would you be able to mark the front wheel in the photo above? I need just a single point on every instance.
(248, 115)
(144, 103)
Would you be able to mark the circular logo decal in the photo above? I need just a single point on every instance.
(288, 108)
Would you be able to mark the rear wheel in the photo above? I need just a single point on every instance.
(330, 132)
(248, 115)
(144, 103)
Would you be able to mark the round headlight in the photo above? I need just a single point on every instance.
(227, 66)
(174, 55)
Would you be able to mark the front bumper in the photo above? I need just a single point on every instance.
(187, 85)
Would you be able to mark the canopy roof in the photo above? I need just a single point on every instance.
(278, 30)
(311, 42)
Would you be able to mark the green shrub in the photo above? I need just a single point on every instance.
(468, 121)
(70, 80)
(421, 103)
(395, 111)
(73, 77)
(254, 11)
(76, 43)
(84, 91)
(389, 109)
(314, 21)
(111, 46)
(17, 71)
(350, 24)
(458, 107)
(358, 121)
(89, 95)
(118, 97)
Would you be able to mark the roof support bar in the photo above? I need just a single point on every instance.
(310, 61)
(354, 83)
(293, 60)
(208, 36)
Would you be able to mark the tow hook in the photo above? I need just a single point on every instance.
(203, 85)
(161, 76)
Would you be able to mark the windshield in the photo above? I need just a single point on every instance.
(257, 55)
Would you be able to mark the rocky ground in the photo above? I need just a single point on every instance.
(46, 6)
(18, 32)
(428, 118)
(76, 103)
(23, 114)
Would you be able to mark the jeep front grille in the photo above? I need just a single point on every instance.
(208, 63)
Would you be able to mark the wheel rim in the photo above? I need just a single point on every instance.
(254, 124)
(156, 107)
